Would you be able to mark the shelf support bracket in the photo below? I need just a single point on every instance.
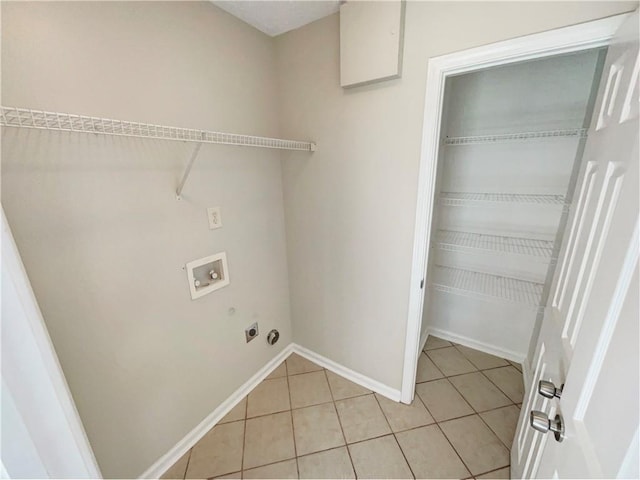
(187, 171)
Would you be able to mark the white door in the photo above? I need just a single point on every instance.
(42, 435)
(589, 337)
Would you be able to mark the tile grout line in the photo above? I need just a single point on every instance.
(416, 395)
(455, 450)
(434, 364)
(469, 373)
(501, 468)
(472, 407)
(394, 437)
(392, 432)
(490, 428)
(244, 434)
(476, 413)
(505, 394)
(187, 467)
(335, 407)
(293, 428)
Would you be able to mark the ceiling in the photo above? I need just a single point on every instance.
(276, 17)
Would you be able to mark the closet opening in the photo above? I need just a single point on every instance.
(505, 146)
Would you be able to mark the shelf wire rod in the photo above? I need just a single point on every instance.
(27, 118)
(194, 155)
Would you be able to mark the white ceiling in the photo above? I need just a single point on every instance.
(276, 17)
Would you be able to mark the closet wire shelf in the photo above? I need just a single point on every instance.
(484, 286)
(521, 136)
(67, 122)
(462, 199)
(467, 242)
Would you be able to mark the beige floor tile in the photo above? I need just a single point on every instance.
(328, 464)
(401, 416)
(503, 422)
(218, 452)
(379, 458)
(343, 388)
(509, 380)
(270, 396)
(517, 365)
(268, 439)
(476, 444)
(297, 364)
(236, 413)
(237, 475)
(443, 401)
(316, 428)
(450, 361)
(427, 370)
(309, 389)
(361, 418)
(430, 454)
(480, 359)
(479, 391)
(179, 468)
(435, 342)
(497, 474)
(286, 469)
(280, 371)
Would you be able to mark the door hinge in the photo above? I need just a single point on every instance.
(422, 283)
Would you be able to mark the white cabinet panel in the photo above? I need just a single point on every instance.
(370, 41)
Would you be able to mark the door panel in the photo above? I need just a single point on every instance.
(588, 339)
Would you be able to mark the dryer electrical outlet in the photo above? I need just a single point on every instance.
(207, 274)
(215, 217)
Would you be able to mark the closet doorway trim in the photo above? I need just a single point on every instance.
(576, 38)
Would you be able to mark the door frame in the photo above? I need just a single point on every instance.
(34, 386)
(575, 38)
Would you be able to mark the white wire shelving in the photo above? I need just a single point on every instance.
(519, 136)
(467, 242)
(484, 286)
(68, 122)
(464, 199)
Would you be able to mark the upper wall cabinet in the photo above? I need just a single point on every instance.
(370, 41)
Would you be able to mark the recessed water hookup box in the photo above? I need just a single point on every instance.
(207, 274)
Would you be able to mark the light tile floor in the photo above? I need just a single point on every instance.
(303, 421)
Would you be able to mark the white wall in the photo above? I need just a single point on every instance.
(350, 208)
(99, 229)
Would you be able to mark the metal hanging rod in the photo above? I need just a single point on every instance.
(68, 122)
(508, 137)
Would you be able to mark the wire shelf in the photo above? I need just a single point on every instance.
(461, 199)
(67, 122)
(486, 287)
(467, 242)
(521, 136)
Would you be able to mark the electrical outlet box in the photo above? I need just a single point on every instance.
(251, 332)
(207, 274)
(215, 217)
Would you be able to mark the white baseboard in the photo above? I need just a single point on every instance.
(471, 343)
(189, 440)
(526, 374)
(423, 340)
(349, 374)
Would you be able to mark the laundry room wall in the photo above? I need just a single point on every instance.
(350, 208)
(99, 228)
